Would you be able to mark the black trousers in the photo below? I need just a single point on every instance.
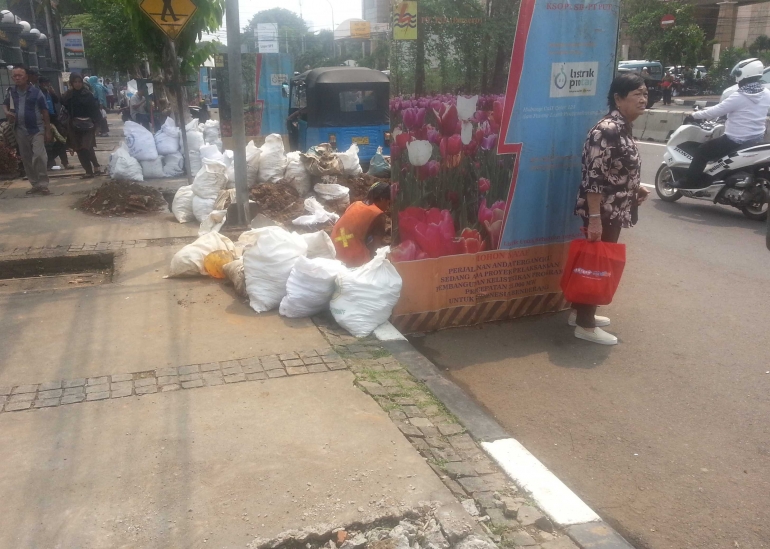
(88, 160)
(586, 313)
(710, 150)
(667, 95)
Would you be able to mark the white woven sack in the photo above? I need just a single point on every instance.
(366, 296)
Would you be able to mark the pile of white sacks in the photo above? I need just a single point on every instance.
(299, 276)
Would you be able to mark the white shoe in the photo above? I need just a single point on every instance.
(599, 320)
(596, 336)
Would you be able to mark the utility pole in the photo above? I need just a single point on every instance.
(236, 109)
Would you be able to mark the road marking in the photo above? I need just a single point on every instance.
(653, 144)
(551, 494)
(648, 185)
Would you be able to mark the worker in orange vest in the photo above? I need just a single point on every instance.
(361, 229)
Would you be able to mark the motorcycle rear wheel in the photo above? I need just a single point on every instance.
(663, 180)
(758, 211)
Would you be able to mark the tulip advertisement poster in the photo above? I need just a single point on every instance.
(488, 131)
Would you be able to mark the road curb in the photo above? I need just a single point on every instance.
(564, 507)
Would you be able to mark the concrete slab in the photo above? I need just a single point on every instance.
(140, 322)
(213, 467)
(52, 220)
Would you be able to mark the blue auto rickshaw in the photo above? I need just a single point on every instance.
(340, 106)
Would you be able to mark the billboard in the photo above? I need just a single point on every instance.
(72, 44)
(488, 131)
(267, 37)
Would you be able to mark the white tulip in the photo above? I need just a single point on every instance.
(419, 152)
(466, 132)
(466, 106)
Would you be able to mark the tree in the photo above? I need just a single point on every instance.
(111, 44)
(292, 29)
(761, 48)
(679, 44)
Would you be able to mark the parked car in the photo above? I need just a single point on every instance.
(655, 70)
(734, 88)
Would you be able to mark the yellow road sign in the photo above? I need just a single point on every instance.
(170, 15)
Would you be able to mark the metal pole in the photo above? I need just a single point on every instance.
(180, 107)
(236, 109)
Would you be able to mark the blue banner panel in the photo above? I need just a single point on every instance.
(562, 64)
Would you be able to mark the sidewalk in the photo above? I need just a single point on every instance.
(150, 412)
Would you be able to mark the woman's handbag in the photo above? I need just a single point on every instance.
(593, 271)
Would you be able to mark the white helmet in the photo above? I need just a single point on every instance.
(748, 68)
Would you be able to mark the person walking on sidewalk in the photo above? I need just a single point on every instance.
(25, 107)
(610, 192)
(110, 87)
(57, 147)
(83, 116)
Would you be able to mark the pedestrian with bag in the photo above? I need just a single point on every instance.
(82, 116)
(57, 147)
(26, 109)
(610, 192)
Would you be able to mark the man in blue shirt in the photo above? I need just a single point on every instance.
(26, 109)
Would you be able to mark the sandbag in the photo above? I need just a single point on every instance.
(321, 160)
(189, 260)
(173, 164)
(296, 175)
(210, 179)
(316, 214)
(195, 162)
(202, 207)
(195, 140)
(272, 161)
(213, 222)
(379, 165)
(211, 132)
(167, 138)
(319, 244)
(350, 162)
(366, 296)
(310, 287)
(236, 274)
(153, 169)
(181, 206)
(253, 156)
(211, 152)
(123, 166)
(333, 195)
(192, 125)
(225, 198)
(140, 142)
(268, 263)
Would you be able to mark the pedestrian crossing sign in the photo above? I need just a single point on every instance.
(170, 15)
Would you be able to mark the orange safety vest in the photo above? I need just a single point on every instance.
(349, 233)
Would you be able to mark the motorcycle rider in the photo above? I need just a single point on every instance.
(746, 111)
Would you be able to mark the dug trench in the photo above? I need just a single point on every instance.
(48, 272)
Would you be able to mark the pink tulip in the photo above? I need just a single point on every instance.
(414, 118)
(492, 219)
(433, 136)
(484, 184)
(407, 251)
(433, 230)
(429, 170)
(497, 109)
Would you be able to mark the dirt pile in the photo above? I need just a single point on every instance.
(279, 201)
(359, 185)
(121, 198)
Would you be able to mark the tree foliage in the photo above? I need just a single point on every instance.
(761, 48)
(680, 44)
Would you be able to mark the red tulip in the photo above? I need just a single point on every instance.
(402, 139)
(451, 146)
(497, 110)
(484, 185)
(447, 119)
(427, 171)
(470, 149)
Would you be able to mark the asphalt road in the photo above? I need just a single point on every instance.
(667, 435)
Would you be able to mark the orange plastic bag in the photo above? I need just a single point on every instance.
(214, 262)
(593, 270)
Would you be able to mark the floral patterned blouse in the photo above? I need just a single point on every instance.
(611, 167)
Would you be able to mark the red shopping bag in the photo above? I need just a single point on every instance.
(593, 271)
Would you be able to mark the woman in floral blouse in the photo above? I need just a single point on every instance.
(610, 191)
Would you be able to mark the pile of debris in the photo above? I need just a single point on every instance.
(280, 202)
(122, 198)
(426, 527)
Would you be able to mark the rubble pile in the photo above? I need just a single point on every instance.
(278, 201)
(121, 199)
